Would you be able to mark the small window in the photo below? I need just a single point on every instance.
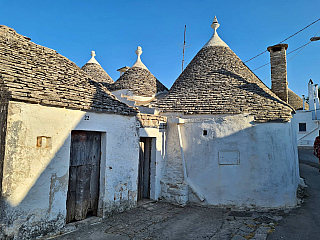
(302, 127)
(205, 132)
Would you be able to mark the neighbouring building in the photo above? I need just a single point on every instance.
(307, 119)
(137, 86)
(62, 142)
(94, 69)
(230, 139)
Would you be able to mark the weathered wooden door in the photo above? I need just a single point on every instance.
(144, 168)
(84, 174)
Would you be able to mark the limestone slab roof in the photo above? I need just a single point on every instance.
(97, 73)
(94, 69)
(36, 74)
(216, 81)
(295, 101)
(139, 80)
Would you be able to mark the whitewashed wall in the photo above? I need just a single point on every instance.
(266, 174)
(35, 180)
(306, 139)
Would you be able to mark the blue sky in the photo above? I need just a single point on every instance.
(114, 29)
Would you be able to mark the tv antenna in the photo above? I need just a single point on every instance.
(184, 45)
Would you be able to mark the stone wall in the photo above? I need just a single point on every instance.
(153, 121)
(279, 83)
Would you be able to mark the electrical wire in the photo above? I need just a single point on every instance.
(285, 39)
(301, 48)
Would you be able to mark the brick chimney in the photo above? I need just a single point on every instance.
(279, 83)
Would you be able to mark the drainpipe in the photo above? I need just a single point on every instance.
(185, 176)
(315, 109)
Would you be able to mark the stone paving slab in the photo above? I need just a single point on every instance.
(166, 221)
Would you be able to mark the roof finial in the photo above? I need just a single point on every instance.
(93, 60)
(215, 24)
(215, 40)
(139, 63)
(139, 51)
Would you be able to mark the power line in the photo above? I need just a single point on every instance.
(261, 66)
(304, 45)
(301, 47)
(285, 39)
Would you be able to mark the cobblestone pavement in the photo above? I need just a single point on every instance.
(166, 221)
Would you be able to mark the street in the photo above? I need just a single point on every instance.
(161, 220)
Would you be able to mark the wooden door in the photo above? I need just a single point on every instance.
(84, 174)
(144, 168)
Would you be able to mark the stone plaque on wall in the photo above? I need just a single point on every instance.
(229, 157)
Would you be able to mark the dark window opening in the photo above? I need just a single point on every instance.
(276, 49)
(205, 132)
(302, 127)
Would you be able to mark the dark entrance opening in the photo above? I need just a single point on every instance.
(144, 168)
(84, 174)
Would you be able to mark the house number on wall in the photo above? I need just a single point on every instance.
(86, 117)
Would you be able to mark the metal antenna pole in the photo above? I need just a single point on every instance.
(184, 45)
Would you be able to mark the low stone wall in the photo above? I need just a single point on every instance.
(153, 121)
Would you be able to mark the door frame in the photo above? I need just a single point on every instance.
(152, 168)
(102, 174)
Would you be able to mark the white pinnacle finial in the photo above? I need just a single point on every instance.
(215, 24)
(139, 51)
(93, 60)
(138, 63)
(215, 40)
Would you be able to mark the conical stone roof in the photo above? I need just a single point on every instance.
(139, 80)
(216, 81)
(295, 101)
(35, 74)
(94, 69)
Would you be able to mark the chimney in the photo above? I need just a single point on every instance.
(279, 83)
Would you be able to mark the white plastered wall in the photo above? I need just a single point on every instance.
(266, 174)
(35, 179)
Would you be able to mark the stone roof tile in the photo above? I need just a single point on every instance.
(36, 74)
(216, 81)
(139, 80)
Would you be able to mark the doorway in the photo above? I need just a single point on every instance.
(84, 175)
(144, 176)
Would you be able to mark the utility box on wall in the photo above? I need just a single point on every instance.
(229, 157)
